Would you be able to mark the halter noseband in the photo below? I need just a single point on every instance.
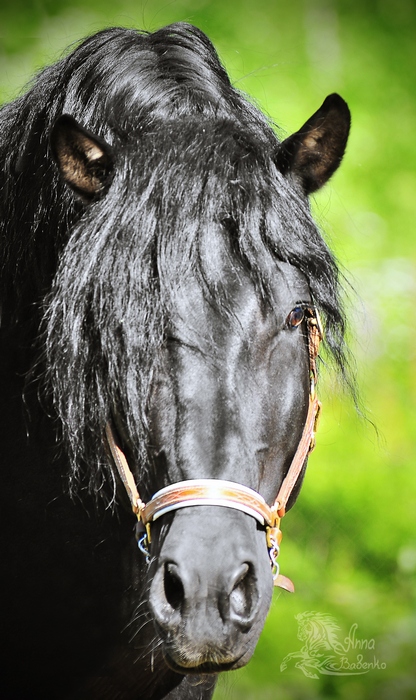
(217, 492)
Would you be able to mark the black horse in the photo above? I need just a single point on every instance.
(159, 272)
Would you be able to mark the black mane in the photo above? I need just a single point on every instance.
(194, 154)
(117, 83)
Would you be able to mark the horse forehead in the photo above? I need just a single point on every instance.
(236, 304)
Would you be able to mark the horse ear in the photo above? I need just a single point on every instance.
(84, 160)
(314, 152)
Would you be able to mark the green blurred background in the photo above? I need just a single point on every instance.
(350, 543)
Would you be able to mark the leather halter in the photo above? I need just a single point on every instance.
(227, 493)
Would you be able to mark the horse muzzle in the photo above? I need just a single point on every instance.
(210, 593)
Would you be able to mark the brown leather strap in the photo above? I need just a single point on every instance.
(124, 471)
(207, 492)
(306, 445)
(217, 491)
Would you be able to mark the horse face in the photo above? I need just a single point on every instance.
(229, 402)
(230, 384)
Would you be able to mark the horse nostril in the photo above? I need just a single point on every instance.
(174, 590)
(242, 595)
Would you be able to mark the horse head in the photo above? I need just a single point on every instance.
(179, 315)
(228, 394)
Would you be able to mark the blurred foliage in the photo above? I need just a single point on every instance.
(350, 543)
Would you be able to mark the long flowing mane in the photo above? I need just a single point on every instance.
(205, 158)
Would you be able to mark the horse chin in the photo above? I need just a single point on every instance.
(180, 664)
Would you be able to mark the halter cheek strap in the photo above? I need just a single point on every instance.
(218, 492)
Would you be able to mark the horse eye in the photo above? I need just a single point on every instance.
(295, 317)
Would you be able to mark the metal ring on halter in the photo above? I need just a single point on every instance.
(143, 545)
(275, 566)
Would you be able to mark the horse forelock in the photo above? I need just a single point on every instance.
(115, 83)
(167, 74)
